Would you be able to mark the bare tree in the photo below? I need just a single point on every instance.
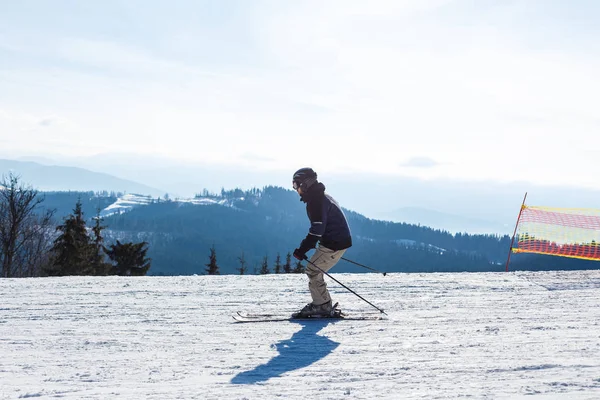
(35, 257)
(24, 235)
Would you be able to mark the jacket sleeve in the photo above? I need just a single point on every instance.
(318, 220)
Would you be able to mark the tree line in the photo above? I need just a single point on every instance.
(212, 268)
(31, 245)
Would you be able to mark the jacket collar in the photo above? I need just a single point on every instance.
(315, 191)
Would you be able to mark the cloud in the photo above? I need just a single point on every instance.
(420, 162)
(46, 122)
(256, 158)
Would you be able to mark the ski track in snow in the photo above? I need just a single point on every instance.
(478, 335)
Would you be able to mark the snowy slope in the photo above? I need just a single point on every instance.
(125, 203)
(483, 336)
(128, 202)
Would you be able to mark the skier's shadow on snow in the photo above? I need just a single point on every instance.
(304, 348)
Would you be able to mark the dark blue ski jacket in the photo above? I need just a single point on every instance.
(328, 224)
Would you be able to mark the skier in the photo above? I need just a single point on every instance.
(329, 228)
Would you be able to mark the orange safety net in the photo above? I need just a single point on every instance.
(567, 232)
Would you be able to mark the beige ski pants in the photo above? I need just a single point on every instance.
(325, 259)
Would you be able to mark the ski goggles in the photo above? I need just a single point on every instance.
(295, 185)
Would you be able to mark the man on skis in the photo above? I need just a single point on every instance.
(329, 228)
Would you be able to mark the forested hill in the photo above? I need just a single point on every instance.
(265, 223)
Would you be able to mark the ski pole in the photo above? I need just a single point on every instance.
(347, 288)
(364, 266)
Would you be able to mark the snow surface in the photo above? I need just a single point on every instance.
(128, 202)
(517, 335)
(125, 203)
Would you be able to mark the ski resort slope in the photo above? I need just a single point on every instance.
(515, 335)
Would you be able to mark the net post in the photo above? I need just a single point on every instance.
(515, 231)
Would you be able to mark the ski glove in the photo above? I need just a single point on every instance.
(309, 242)
(300, 255)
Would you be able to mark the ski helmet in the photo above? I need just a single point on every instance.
(304, 178)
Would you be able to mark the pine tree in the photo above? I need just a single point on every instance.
(72, 248)
(264, 268)
(299, 269)
(278, 264)
(99, 266)
(287, 267)
(243, 268)
(212, 267)
(130, 258)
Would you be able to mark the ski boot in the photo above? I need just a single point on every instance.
(325, 310)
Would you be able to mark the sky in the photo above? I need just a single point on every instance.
(487, 90)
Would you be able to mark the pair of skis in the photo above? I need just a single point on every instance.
(336, 316)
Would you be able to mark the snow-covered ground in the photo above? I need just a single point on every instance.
(482, 336)
(128, 202)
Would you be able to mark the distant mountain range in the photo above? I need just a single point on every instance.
(451, 205)
(270, 222)
(60, 178)
(42, 174)
(265, 223)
